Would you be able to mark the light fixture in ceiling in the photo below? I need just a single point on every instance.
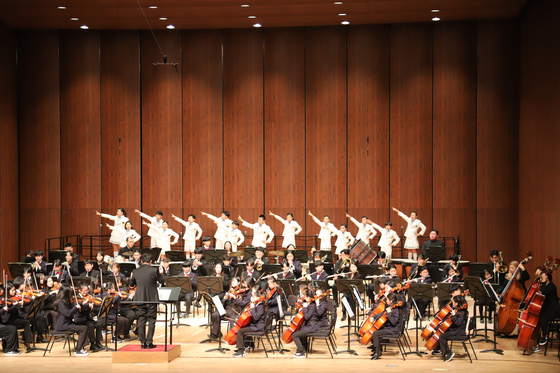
(74, 19)
(435, 10)
(257, 25)
(61, 7)
(163, 18)
(84, 27)
(341, 14)
(345, 22)
(252, 16)
(153, 7)
(435, 19)
(171, 27)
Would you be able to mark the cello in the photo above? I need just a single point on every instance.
(440, 316)
(380, 306)
(433, 340)
(529, 328)
(377, 324)
(242, 321)
(512, 297)
(298, 320)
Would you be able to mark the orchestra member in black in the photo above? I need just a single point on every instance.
(228, 264)
(129, 248)
(218, 271)
(454, 262)
(68, 247)
(84, 316)
(165, 262)
(498, 277)
(451, 275)
(390, 327)
(272, 300)
(421, 262)
(354, 275)
(550, 308)
(40, 265)
(250, 270)
(48, 306)
(9, 335)
(433, 242)
(116, 267)
(187, 297)
(522, 276)
(486, 278)
(422, 303)
(17, 317)
(257, 323)
(60, 273)
(233, 305)
(89, 271)
(310, 324)
(200, 268)
(136, 255)
(146, 280)
(102, 264)
(459, 318)
(293, 263)
(286, 273)
(66, 310)
(320, 274)
(454, 290)
(121, 321)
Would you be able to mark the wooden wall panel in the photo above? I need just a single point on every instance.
(80, 132)
(454, 132)
(203, 187)
(39, 128)
(539, 203)
(411, 122)
(243, 123)
(162, 127)
(498, 139)
(368, 119)
(9, 193)
(120, 123)
(284, 121)
(326, 127)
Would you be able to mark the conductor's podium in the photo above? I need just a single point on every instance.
(133, 353)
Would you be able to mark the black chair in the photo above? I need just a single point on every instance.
(553, 329)
(326, 335)
(62, 335)
(466, 338)
(268, 330)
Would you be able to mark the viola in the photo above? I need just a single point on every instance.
(298, 320)
(511, 299)
(377, 324)
(433, 340)
(242, 321)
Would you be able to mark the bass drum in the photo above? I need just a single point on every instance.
(362, 253)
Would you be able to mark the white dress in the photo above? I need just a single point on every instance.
(119, 223)
(325, 234)
(124, 234)
(411, 231)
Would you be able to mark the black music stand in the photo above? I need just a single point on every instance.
(478, 293)
(350, 313)
(326, 256)
(420, 292)
(329, 268)
(417, 351)
(272, 268)
(346, 286)
(33, 312)
(443, 290)
(212, 307)
(435, 254)
(241, 268)
(475, 269)
(104, 313)
(59, 254)
(176, 255)
(319, 284)
(168, 295)
(79, 279)
(436, 273)
(183, 282)
(289, 287)
(492, 294)
(214, 256)
(370, 270)
(175, 268)
(127, 268)
(18, 268)
(153, 252)
(211, 286)
(300, 255)
(249, 252)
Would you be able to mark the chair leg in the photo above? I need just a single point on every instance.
(474, 352)
(69, 348)
(467, 350)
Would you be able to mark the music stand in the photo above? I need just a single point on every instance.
(350, 312)
(33, 311)
(475, 269)
(153, 252)
(420, 292)
(59, 254)
(436, 273)
(492, 294)
(417, 351)
(212, 286)
(79, 279)
(289, 287)
(370, 270)
(443, 290)
(272, 268)
(241, 268)
(104, 313)
(184, 283)
(214, 256)
(328, 254)
(478, 293)
(18, 268)
(212, 306)
(300, 255)
(346, 286)
(175, 268)
(127, 268)
(435, 254)
(176, 255)
(249, 252)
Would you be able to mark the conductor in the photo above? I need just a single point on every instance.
(146, 279)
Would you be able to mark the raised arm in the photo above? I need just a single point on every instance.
(179, 220)
(277, 217)
(315, 219)
(353, 220)
(145, 216)
(106, 216)
(401, 214)
(211, 217)
(378, 227)
(244, 223)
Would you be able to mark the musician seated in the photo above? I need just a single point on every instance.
(259, 258)
(421, 262)
(187, 297)
(40, 265)
(218, 271)
(354, 275)
(522, 276)
(89, 271)
(164, 269)
(310, 323)
(117, 271)
(342, 265)
(238, 296)
(421, 303)
(71, 263)
(272, 302)
(136, 257)
(121, 321)
(292, 262)
(9, 335)
(381, 258)
(228, 263)
(102, 264)
(498, 277)
(84, 316)
(312, 257)
(129, 248)
(451, 275)
(17, 316)
(550, 308)
(459, 317)
(60, 273)
(320, 274)
(257, 323)
(66, 310)
(454, 262)
(390, 327)
(454, 289)
(286, 274)
(487, 302)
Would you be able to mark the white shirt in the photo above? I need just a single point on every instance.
(163, 237)
(291, 228)
(236, 237)
(413, 226)
(224, 227)
(153, 220)
(125, 234)
(343, 238)
(387, 237)
(119, 220)
(190, 230)
(327, 229)
(260, 234)
(365, 231)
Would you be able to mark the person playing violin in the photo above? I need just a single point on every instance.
(187, 297)
(84, 316)
(390, 327)
(67, 308)
(121, 321)
(18, 316)
(550, 307)
(257, 323)
(273, 292)
(354, 275)
(459, 318)
(8, 333)
(310, 324)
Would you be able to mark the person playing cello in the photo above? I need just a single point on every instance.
(310, 325)
(550, 308)
(459, 318)
(390, 327)
(258, 315)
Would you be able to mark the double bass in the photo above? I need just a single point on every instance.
(242, 321)
(298, 320)
(433, 341)
(377, 324)
(512, 296)
(529, 328)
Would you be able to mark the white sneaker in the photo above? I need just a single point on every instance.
(82, 352)
(12, 353)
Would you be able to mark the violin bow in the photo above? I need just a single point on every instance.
(72, 280)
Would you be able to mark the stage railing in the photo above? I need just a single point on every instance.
(57, 243)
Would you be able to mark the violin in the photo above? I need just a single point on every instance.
(242, 321)
(377, 324)
(271, 292)
(433, 340)
(298, 320)
(19, 298)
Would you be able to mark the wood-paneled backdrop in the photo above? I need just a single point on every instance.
(330, 119)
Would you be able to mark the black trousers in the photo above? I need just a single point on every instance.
(231, 315)
(39, 321)
(370, 291)
(131, 314)
(94, 331)
(120, 328)
(82, 331)
(147, 314)
(546, 318)
(26, 326)
(443, 346)
(9, 337)
(377, 336)
(241, 337)
(187, 297)
(300, 339)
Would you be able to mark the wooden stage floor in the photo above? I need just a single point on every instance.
(194, 358)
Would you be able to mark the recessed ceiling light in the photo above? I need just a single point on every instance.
(435, 10)
(245, 6)
(252, 16)
(163, 19)
(84, 27)
(257, 25)
(345, 22)
(74, 19)
(338, 3)
(153, 7)
(435, 19)
(170, 26)
(61, 7)
(341, 14)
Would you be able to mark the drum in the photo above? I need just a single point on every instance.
(362, 253)
(109, 259)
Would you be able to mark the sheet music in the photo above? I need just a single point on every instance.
(219, 305)
(348, 308)
(358, 297)
(280, 309)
